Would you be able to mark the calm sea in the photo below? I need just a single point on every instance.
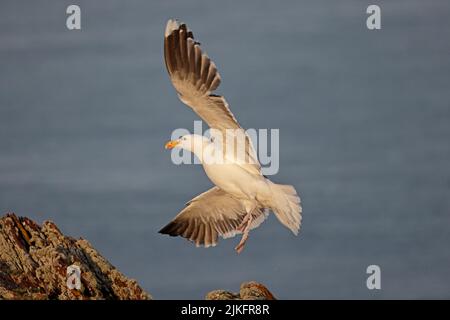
(364, 119)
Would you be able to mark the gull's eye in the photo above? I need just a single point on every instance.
(180, 137)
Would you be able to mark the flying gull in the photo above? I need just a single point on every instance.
(242, 196)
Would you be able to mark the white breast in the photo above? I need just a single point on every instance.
(231, 177)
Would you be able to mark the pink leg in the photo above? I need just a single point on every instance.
(244, 222)
(246, 226)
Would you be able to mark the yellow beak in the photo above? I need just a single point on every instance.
(171, 144)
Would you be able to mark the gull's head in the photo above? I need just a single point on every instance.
(188, 142)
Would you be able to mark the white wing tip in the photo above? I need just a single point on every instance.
(171, 25)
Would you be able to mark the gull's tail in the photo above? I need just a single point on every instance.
(285, 203)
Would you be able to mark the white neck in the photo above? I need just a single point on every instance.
(201, 149)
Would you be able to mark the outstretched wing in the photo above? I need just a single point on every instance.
(209, 215)
(195, 77)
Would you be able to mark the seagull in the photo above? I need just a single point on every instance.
(242, 197)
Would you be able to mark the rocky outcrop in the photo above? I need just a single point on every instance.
(34, 263)
(249, 291)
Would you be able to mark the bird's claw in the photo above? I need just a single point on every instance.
(241, 244)
(240, 247)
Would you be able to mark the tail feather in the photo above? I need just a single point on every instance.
(286, 206)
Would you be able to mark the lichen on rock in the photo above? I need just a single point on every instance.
(249, 291)
(34, 261)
